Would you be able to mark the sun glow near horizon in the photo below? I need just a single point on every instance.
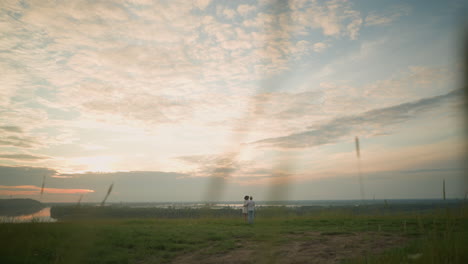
(168, 98)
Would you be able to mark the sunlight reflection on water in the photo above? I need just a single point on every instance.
(42, 216)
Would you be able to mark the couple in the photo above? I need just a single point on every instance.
(248, 209)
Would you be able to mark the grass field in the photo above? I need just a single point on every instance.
(332, 237)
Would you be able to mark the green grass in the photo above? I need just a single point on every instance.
(440, 237)
(119, 241)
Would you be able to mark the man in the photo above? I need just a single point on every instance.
(251, 210)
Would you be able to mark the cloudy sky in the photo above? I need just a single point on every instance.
(212, 100)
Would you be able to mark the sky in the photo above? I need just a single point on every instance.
(211, 100)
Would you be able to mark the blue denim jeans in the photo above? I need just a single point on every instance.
(250, 217)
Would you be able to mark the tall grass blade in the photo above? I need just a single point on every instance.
(358, 154)
(107, 195)
(79, 200)
(42, 187)
(443, 188)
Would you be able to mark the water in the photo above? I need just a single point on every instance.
(290, 203)
(42, 216)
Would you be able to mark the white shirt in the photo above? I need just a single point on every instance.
(244, 208)
(251, 205)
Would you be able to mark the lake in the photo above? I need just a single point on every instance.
(42, 216)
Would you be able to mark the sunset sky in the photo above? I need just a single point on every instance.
(213, 100)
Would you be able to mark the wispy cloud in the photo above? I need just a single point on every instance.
(213, 165)
(12, 129)
(23, 175)
(245, 9)
(374, 122)
(31, 190)
(228, 13)
(320, 47)
(231, 167)
(19, 141)
(202, 4)
(121, 61)
(392, 14)
(127, 85)
(334, 18)
(22, 156)
(25, 120)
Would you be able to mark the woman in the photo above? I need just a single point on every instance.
(244, 208)
(251, 210)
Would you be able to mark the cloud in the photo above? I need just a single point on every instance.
(12, 129)
(304, 47)
(245, 9)
(48, 54)
(280, 113)
(82, 72)
(24, 175)
(411, 84)
(229, 13)
(139, 185)
(235, 170)
(334, 18)
(128, 185)
(119, 62)
(24, 157)
(373, 121)
(213, 165)
(382, 19)
(19, 141)
(202, 4)
(35, 190)
(284, 106)
(320, 46)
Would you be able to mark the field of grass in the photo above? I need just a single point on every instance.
(331, 237)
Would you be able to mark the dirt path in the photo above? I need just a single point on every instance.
(310, 247)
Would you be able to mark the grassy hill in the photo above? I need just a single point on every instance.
(439, 236)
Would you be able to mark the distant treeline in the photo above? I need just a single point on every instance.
(62, 212)
(16, 207)
(74, 212)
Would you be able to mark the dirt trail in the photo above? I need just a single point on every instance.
(309, 247)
